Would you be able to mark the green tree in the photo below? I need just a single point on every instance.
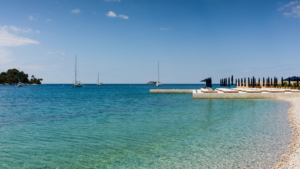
(11, 77)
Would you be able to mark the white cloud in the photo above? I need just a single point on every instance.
(16, 29)
(31, 18)
(164, 29)
(111, 14)
(49, 20)
(294, 6)
(75, 11)
(123, 16)
(5, 56)
(288, 5)
(37, 31)
(8, 39)
(56, 52)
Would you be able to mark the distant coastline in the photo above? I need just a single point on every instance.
(151, 82)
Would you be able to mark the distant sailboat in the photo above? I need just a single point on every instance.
(158, 84)
(77, 83)
(98, 83)
(19, 82)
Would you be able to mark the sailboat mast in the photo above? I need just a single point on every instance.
(18, 76)
(75, 69)
(158, 73)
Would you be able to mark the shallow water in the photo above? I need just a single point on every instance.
(124, 126)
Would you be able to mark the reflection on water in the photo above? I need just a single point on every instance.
(122, 126)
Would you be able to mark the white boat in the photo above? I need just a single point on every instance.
(19, 82)
(158, 84)
(77, 83)
(98, 83)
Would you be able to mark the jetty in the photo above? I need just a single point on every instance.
(171, 90)
(197, 94)
(265, 89)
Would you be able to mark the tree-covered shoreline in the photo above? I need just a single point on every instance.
(11, 78)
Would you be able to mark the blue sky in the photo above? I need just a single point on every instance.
(124, 39)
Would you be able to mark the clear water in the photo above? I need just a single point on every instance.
(124, 126)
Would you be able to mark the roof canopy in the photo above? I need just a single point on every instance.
(204, 80)
(294, 78)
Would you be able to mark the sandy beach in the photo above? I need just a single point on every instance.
(291, 159)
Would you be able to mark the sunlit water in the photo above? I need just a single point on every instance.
(124, 126)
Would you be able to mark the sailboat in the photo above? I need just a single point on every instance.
(158, 84)
(98, 83)
(19, 82)
(77, 83)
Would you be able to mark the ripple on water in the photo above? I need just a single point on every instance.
(131, 128)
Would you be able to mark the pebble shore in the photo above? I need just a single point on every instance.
(291, 159)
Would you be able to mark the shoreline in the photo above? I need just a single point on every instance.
(291, 158)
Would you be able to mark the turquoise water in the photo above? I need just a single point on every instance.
(124, 126)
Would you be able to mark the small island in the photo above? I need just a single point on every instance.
(151, 82)
(11, 78)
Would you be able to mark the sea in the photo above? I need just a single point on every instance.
(125, 126)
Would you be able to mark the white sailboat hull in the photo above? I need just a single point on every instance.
(77, 85)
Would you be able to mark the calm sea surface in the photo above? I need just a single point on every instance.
(124, 126)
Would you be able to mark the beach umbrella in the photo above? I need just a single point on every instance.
(289, 81)
(281, 81)
(204, 80)
(253, 81)
(258, 81)
(236, 82)
(232, 80)
(293, 78)
(297, 81)
(229, 82)
(263, 81)
(248, 81)
(271, 82)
